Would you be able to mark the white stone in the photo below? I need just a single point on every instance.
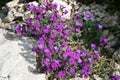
(116, 55)
(16, 58)
(2, 78)
(11, 13)
(96, 77)
(12, 4)
(117, 66)
(100, 14)
(2, 37)
(0, 21)
(105, 33)
(19, 15)
(78, 78)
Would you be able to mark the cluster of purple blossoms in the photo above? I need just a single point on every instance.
(114, 77)
(52, 32)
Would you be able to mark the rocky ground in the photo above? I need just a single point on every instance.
(17, 61)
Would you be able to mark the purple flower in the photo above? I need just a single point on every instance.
(39, 9)
(78, 24)
(66, 67)
(55, 64)
(33, 31)
(53, 36)
(89, 69)
(72, 71)
(68, 26)
(35, 49)
(73, 30)
(99, 26)
(78, 51)
(56, 48)
(96, 51)
(23, 30)
(79, 60)
(62, 6)
(68, 50)
(85, 75)
(76, 15)
(77, 30)
(65, 55)
(89, 15)
(40, 17)
(48, 54)
(52, 17)
(17, 28)
(84, 70)
(95, 56)
(105, 40)
(53, 5)
(74, 55)
(30, 6)
(93, 45)
(47, 50)
(61, 74)
(45, 30)
(90, 60)
(71, 61)
(36, 25)
(41, 46)
(55, 24)
(45, 3)
(60, 26)
(88, 55)
(51, 42)
(29, 21)
(41, 41)
(114, 77)
(83, 53)
(63, 43)
(65, 11)
(67, 34)
(58, 15)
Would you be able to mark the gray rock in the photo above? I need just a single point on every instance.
(2, 38)
(11, 14)
(0, 21)
(19, 15)
(101, 15)
(12, 4)
(111, 37)
(2, 15)
(96, 77)
(17, 61)
(2, 78)
(117, 66)
(116, 55)
(105, 33)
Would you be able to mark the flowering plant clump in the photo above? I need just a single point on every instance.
(114, 77)
(55, 56)
(90, 31)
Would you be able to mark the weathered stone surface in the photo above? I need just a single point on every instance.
(2, 38)
(77, 78)
(2, 78)
(99, 11)
(116, 55)
(12, 4)
(96, 77)
(17, 61)
(0, 21)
